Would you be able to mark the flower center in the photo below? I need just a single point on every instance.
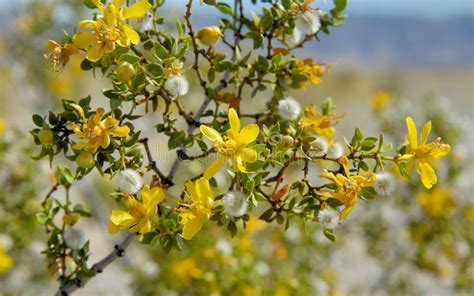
(351, 187)
(227, 146)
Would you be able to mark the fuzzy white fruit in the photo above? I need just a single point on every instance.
(129, 181)
(318, 147)
(336, 151)
(294, 38)
(385, 183)
(74, 238)
(308, 22)
(289, 108)
(329, 218)
(235, 203)
(177, 85)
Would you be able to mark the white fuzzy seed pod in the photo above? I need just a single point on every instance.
(289, 108)
(129, 181)
(318, 147)
(385, 183)
(336, 151)
(235, 203)
(308, 22)
(177, 85)
(74, 238)
(294, 38)
(329, 218)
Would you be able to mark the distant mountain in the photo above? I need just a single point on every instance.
(398, 42)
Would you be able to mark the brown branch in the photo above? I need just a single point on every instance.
(117, 252)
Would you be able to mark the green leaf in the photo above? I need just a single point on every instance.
(329, 233)
(225, 8)
(340, 5)
(267, 215)
(38, 120)
(232, 228)
(155, 70)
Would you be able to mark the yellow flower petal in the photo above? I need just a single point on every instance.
(122, 219)
(131, 34)
(425, 133)
(249, 155)
(95, 53)
(427, 174)
(137, 10)
(234, 122)
(215, 166)
(105, 141)
(248, 134)
(210, 133)
(412, 137)
(191, 228)
(83, 39)
(120, 131)
(203, 189)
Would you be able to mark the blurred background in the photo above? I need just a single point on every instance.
(407, 242)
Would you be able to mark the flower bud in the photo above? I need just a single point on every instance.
(209, 35)
(289, 108)
(318, 147)
(125, 72)
(45, 137)
(328, 217)
(129, 181)
(235, 203)
(74, 238)
(85, 160)
(177, 85)
(287, 141)
(71, 219)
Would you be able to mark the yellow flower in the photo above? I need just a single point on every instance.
(311, 70)
(233, 145)
(58, 55)
(97, 130)
(139, 214)
(348, 187)
(436, 203)
(110, 28)
(2, 126)
(209, 35)
(423, 153)
(194, 215)
(380, 100)
(323, 125)
(187, 269)
(6, 262)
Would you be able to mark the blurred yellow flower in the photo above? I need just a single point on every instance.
(312, 70)
(439, 202)
(323, 125)
(97, 130)
(110, 29)
(423, 153)
(58, 55)
(2, 126)
(6, 261)
(348, 187)
(380, 100)
(187, 269)
(139, 214)
(194, 215)
(233, 145)
(209, 35)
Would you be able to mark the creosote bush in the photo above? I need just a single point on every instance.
(250, 50)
